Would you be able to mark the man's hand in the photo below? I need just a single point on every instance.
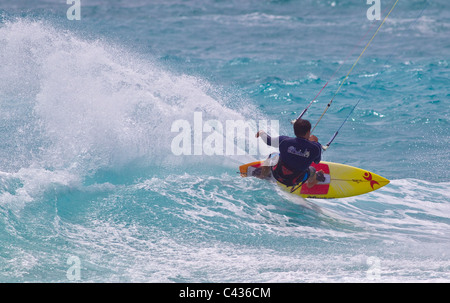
(259, 133)
(313, 138)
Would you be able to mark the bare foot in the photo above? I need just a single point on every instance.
(316, 178)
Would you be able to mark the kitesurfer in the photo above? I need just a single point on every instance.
(296, 156)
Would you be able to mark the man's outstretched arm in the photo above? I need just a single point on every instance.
(275, 142)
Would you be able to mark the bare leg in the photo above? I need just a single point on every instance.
(265, 172)
(266, 167)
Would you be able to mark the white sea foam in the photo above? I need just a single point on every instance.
(74, 106)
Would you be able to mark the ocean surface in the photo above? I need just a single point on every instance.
(91, 189)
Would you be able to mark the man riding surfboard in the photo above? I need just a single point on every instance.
(296, 156)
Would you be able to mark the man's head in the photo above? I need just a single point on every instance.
(302, 128)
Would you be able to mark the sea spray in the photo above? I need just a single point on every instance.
(78, 106)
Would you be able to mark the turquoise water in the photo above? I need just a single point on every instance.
(87, 169)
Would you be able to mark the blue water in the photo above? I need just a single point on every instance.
(86, 165)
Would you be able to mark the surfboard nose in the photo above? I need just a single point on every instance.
(376, 181)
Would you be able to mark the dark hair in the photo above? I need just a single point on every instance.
(301, 127)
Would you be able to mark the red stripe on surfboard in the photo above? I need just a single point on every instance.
(321, 166)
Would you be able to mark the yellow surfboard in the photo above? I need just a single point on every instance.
(340, 181)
